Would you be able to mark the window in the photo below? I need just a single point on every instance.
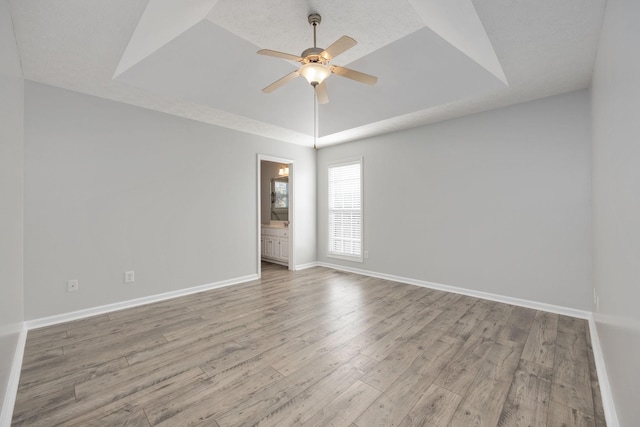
(345, 211)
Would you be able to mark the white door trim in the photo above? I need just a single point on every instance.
(292, 225)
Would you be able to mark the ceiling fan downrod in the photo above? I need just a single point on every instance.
(314, 20)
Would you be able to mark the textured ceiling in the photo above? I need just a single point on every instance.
(435, 59)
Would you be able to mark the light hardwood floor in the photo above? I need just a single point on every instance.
(316, 347)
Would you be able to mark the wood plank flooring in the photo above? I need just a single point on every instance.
(317, 347)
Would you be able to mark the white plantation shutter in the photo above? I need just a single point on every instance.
(345, 210)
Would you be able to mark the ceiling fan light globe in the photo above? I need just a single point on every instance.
(315, 72)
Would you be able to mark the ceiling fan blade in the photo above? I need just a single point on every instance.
(354, 75)
(277, 54)
(321, 93)
(280, 82)
(341, 45)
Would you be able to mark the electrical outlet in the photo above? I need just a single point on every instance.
(129, 276)
(366, 254)
(72, 285)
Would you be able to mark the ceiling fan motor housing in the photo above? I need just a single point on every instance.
(313, 54)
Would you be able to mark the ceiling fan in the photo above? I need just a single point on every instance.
(315, 64)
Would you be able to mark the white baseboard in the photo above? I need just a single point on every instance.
(305, 266)
(14, 379)
(581, 314)
(603, 379)
(80, 314)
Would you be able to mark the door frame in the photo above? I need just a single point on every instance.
(292, 222)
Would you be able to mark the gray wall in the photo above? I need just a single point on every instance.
(616, 202)
(496, 202)
(110, 188)
(11, 196)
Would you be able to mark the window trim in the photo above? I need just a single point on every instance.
(345, 257)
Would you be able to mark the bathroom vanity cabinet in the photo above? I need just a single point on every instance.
(274, 243)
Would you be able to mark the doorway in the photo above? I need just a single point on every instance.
(276, 213)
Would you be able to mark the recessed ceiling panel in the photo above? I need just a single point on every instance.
(208, 65)
(417, 72)
(457, 22)
(161, 22)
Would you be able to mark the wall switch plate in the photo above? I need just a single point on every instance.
(72, 285)
(366, 254)
(129, 276)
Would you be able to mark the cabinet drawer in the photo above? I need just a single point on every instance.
(284, 233)
(270, 232)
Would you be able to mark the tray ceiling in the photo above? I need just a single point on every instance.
(435, 59)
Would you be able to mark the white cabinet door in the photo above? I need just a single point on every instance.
(275, 244)
(284, 249)
(268, 247)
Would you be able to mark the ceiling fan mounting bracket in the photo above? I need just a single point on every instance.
(315, 19)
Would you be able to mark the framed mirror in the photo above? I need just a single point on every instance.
(280, 198)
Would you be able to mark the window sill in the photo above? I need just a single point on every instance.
(346, 258)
